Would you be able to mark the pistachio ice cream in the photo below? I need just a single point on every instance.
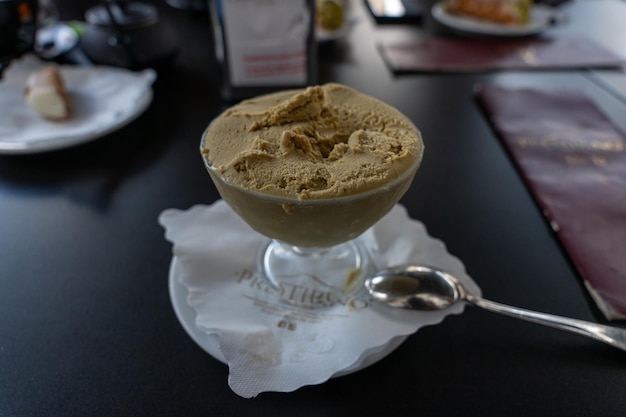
(312, 167)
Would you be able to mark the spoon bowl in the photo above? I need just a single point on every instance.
(415, 287)
(423, 288)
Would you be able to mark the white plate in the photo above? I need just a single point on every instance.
(215, 290)
(210, 342)
(103, 99)
(542, 17)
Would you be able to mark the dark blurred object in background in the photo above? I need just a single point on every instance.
(552, 3)
(18, 26)
(128, 34)
(397, 11)
(190, 5)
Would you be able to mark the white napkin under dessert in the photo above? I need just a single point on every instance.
(273, 346)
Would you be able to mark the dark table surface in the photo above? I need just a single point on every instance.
(86, 323)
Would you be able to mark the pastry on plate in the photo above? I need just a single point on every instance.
(506, 12)
(46, 94)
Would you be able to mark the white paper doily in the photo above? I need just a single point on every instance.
(103, 99)
(210, 342)
(228, 310)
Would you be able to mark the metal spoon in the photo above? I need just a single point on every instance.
(425, 288)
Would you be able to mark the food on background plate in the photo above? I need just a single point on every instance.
(330, 14)
(506, 12)
(312, 167)
(46, 94)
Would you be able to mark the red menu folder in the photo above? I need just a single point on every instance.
(573, 159)
(470, 55)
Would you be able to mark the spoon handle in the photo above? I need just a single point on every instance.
(613, 336)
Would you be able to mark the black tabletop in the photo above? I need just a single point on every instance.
(86, 323)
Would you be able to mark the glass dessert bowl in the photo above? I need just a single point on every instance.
(312, 170)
